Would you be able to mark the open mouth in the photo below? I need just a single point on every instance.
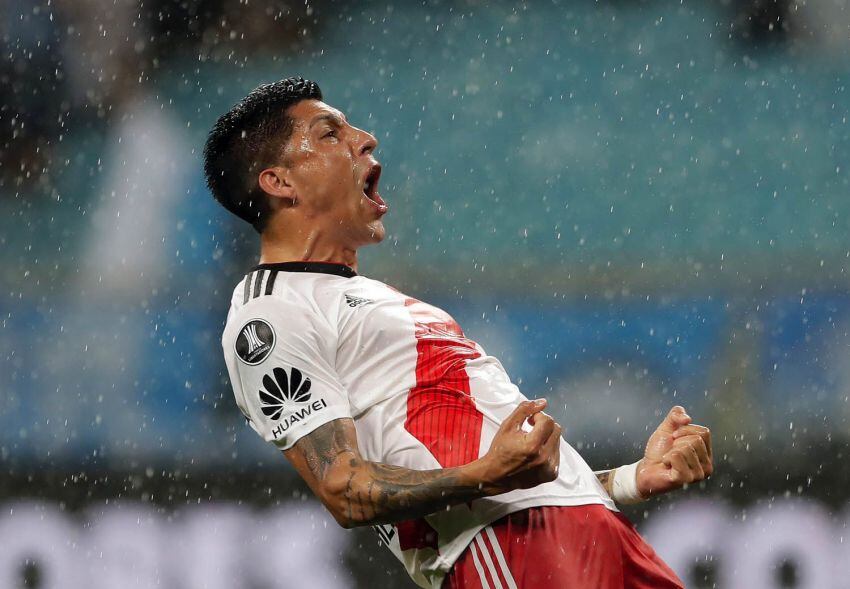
(370, 188)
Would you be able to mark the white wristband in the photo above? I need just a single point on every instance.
(624, 489)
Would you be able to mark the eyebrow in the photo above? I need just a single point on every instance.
(335, 119)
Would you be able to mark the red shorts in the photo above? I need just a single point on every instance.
(583, 547)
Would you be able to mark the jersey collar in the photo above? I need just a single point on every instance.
(319, 267)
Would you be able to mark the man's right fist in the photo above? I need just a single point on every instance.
(519, 459)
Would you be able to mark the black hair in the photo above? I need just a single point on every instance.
(248, 138)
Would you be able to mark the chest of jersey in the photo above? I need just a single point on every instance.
(390, 343)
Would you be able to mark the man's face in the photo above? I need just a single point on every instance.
(334, 174)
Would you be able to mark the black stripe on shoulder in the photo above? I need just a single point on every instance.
(319, 267)
(270, 281)
(247, 293)
(258, 282)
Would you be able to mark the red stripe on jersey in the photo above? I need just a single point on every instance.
(440, 410)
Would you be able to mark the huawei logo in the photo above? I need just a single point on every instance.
(283, 388)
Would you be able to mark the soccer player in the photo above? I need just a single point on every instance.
(393, 417)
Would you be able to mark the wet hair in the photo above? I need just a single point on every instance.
(248, 138)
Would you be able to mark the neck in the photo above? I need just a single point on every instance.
(313, 246)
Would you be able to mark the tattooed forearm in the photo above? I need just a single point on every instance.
(393, 493)
(606, 477)
(359, 492)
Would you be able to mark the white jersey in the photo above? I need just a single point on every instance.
(310, 342)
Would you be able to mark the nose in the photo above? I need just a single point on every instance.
(366, 142)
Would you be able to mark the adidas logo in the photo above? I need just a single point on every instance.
(353, 301)
(282, 389)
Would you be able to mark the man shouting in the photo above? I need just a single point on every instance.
(393, 417)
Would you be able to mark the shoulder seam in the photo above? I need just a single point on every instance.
(258, 283)
(247, 294)
(270, 282)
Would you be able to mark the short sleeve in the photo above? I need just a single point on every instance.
(280, 359)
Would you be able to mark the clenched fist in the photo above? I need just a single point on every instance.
(678, 452)
(518, 459)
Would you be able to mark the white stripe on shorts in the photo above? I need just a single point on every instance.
(489, 561)
(478, 567)
(500, 557)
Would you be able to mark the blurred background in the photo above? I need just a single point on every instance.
(632, 204)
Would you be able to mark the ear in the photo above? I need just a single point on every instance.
(275, 182)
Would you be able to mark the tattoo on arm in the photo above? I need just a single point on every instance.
(372, 492)
(606, 477)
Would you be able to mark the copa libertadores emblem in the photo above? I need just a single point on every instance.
(283, 388)
(255, 342)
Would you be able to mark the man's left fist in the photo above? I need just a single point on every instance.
(678, 452)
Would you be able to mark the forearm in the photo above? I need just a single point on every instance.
(359, 492)
(621, 483)
(381, 493)
(606, 479)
